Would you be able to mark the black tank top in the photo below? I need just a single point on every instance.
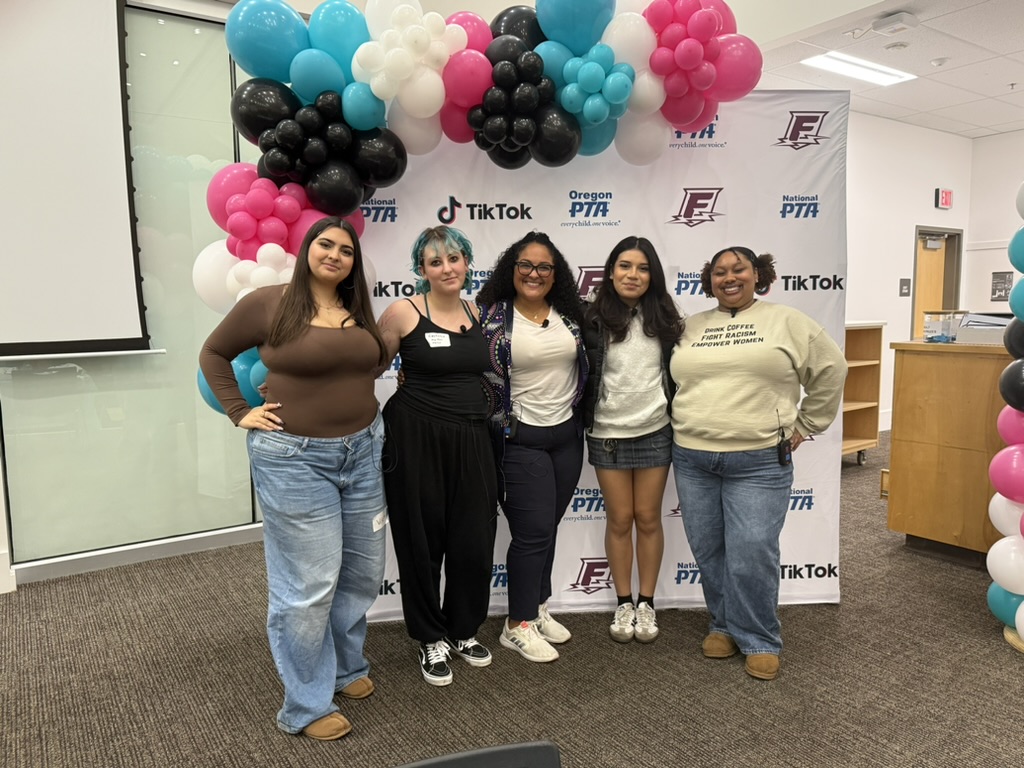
(443, 369)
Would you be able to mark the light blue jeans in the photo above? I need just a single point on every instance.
(733, 507)
(324, 521)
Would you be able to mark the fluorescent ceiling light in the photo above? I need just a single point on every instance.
(850, 66)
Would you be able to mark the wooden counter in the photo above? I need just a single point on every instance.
(945, 403)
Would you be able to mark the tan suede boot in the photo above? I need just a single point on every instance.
(328, 728)
(763, 666)
(719, 646)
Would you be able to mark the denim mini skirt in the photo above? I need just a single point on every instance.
(650, 450)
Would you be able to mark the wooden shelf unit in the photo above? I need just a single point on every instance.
(863, 385)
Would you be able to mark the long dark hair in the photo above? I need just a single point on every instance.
(298, 307)
(764, 264)
(660, 314)
(564, 295)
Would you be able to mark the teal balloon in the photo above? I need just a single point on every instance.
(1017, 300)
(625, 69)
(258, 375)
(571, 70)
(313, 72)
(242, 366)
(555, 55)
(263, 36)
(572, 98)
(1004, 604)
(615, 111)
(1016, 250)
(597, 138)
(361, 109)
(338, 28)
(595, 110)
(591, 77)
(577, 24)
(602, 54)
(206, 393)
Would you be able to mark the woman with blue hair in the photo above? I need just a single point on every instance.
(439, 473)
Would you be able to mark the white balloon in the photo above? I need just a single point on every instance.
(290, 262)
(243, 293)
(434, 23)
(263, 276)
(1005, 563)
(419, 135)
(631, 6)
(271, 255)
(384, 86)
(370, 57)
(1020, 201)
(1019, 620)
(378, 14)
(632, 39)
(209, 274)
(648, 93)
(1005, 514)
(422, 95)
(359, 74)
(455, 38)
(392, 38)
(437, 55)
(398, 64)
(642, 139)
(416, 40)
(285, 275)
(238, 277)
(405, 16)
(370, 272)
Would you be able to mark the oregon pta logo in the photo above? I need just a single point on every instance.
(594, 576)
(589, 279)
(804, 130)
(698, 206)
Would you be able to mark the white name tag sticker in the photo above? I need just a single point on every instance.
(438, 339)
(379, 521)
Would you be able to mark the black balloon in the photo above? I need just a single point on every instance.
(277, 161)
(496, 101)
(521, 21)
(368, 192)
(328, 104)
(315, 151)
(259, 104)
(339, 137)
(496, 128)
(379, 156)
(267, 140)
(523, 130)
(546, 89)
(509, 160)
(505, 48)
(1011, 384)
(505, 75)
(525, 99)
(265, 173)
(530, 67)
(481, 141)
(334, 188)
(289, 135)
(475, 117)
(312, 122)
(1013, 338)
(558, 136)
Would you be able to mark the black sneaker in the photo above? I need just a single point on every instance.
(434, 663)
(474, 653)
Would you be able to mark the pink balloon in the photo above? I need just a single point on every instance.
(357, 220)
(259, 203)
(682, 10)
(684, 109)
(689, 53)
(265, 184)
(1010, 424)
(235, 204)
(712, 49)
(676, 84)
(672, 35)
(658, 14)
(296, 191)
(725, 13)
(247, 248)
(466, 76)
(738, 67)
(242, 225)
(230, 180)
(477, 30)
(232, 245)
(702, 76)
(1006, 471)
(300, 227)
(287, 208)
(453, 123)
(272, 230)
(703, 120)
(662, 61)
(704, 24)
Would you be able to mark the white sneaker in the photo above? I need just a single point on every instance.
(622, 625)
(550, 629)
(526, 640)
(646, 624)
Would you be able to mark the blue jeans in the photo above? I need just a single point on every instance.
(734, 506)
(324, 521)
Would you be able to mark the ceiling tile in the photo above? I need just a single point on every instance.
(930, 120)
(921, 95)
(859, 103)
(985, 112)
(987, 25)
(990, 78)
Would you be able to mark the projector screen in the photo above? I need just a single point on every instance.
(69, 281)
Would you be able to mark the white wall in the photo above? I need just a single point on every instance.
(893, 171)
(998, 172)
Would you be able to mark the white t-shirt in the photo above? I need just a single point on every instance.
(543, 371)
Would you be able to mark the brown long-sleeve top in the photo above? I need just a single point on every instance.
(324, 379)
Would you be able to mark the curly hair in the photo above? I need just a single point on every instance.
(564, 295)
(764, 264)
(443, 240)
(660, 314)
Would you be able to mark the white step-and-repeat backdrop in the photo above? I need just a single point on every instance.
(770, 174)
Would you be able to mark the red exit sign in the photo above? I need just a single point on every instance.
(944, 198)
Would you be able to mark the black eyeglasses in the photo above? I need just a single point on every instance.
(526, 267)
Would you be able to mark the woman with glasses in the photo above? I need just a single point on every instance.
(531, 314)
(630, 328)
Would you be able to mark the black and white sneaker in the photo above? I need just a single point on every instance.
(434, 663)
(470, 650)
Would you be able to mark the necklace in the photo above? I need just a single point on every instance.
(532, 315)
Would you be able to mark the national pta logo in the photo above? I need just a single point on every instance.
(698, 206)
(804, 130)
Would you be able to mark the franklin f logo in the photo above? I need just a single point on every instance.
(698, 206)
(804, 130)
(594, 576)
(589, 279)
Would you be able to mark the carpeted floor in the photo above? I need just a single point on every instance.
(166, 664)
